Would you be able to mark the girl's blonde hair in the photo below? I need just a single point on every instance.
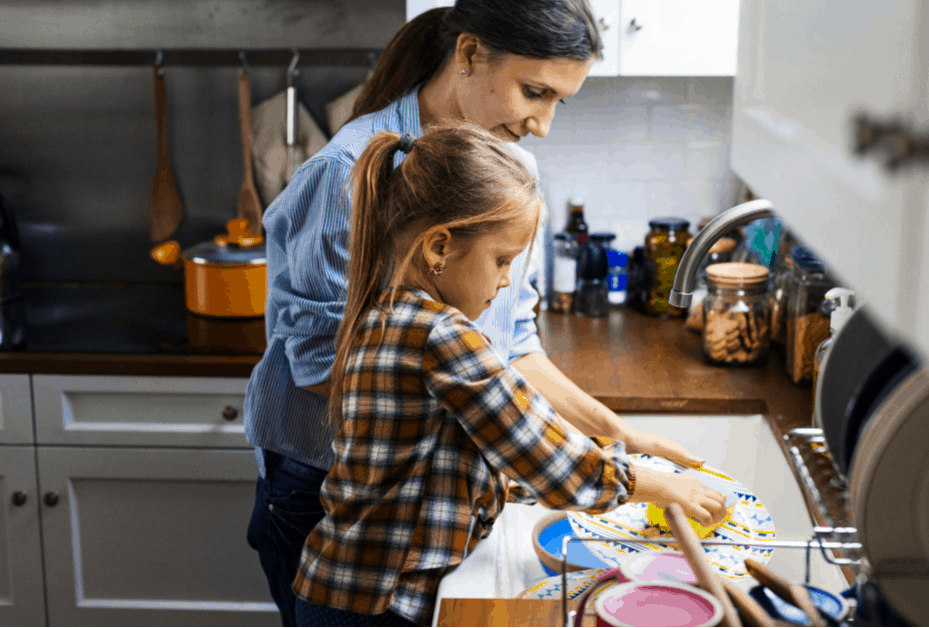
(460, 178)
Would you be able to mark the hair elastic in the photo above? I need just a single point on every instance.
(406, 143)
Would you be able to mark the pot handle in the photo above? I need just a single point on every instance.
(611, 574)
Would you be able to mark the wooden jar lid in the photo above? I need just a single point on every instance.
(723, 245)
(737, 274)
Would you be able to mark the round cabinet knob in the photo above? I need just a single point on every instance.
(51, 499)
(19, 498)
(634, 26)
(230, 413)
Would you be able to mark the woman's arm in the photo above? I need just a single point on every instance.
(591, 417)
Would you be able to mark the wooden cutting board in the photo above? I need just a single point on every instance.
(504, 612)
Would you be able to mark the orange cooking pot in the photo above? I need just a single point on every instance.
(225, 277)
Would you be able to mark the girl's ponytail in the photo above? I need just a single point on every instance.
(368, 266)
(412, 57)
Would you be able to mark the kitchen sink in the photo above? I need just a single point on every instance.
(743, 446)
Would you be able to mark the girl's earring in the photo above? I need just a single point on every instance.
(437, 268)
(464, 72)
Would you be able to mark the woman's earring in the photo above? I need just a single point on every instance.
(464, 72)
(437, 268)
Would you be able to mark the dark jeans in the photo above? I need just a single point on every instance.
(312, 615)
(286, 510)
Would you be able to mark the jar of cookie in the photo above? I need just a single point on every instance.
(737, 313)
(806, 326)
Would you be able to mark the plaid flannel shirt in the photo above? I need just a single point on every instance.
(434, 424)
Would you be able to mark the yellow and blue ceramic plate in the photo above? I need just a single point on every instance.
(626, 530)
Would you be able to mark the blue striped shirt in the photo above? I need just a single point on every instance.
(307, 229)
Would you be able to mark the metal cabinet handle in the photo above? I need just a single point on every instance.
(19, 498)
(51, 499)
(634, 26)
(603, 24)
(230, 413)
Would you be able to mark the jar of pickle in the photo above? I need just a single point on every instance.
(737, 314)
(664, 248)
(807, 286)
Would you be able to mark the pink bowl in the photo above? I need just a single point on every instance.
(660, 567)
(656, 604)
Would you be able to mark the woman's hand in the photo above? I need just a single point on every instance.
(697, 500)
(654, 445)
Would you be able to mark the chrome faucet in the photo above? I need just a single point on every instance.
(686, 277)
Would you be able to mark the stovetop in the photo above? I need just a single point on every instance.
(131, 319)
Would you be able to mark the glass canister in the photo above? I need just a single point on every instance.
(737, 314)
(591, 298)
(806, 326)
(719, 253)
(664, 247)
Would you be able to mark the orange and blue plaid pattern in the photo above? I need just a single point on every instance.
(434, 425)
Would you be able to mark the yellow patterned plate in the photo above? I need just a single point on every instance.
(628, 530)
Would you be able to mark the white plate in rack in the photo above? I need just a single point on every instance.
(628, 530)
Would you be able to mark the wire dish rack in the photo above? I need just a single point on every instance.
(813, 465)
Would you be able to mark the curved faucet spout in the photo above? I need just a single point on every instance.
(686, 277)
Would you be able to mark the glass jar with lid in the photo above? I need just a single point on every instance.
(719, 253)
(806, 326)
(737, 314)
(664, 247)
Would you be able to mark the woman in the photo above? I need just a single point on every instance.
(503, 65)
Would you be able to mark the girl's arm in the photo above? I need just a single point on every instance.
(591, 417)
(520, 435)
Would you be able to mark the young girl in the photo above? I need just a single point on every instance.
(431, 422)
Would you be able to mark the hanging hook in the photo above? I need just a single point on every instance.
(159, 59)
(292, 68)
(245, 66)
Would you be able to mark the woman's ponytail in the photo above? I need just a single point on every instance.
(368, 266)
(412, 57)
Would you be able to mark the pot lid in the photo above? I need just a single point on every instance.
(226, 255)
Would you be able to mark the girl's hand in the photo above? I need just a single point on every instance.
(695, 498)
(655, 445)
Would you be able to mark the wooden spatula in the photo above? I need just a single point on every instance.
(249, 203)
(165, 209)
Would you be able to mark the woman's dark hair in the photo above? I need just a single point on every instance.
(541, 29)
(460, 178)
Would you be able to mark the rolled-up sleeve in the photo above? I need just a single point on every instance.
(516, 429)
(308, 251)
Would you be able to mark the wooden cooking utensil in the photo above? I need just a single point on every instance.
(165, 208)
(785, 589)
(750, 610)
(249, 203)
(708, 579)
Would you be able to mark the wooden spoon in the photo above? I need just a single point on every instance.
(707, 578)
(749, 609)
(165, 208)
(249, 203)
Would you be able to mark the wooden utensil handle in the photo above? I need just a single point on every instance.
(749, 608)
(693, 551)
(161, 114)
(245, 120)
(785, 589)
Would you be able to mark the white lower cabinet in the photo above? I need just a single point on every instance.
(22, 599)
(150, 537)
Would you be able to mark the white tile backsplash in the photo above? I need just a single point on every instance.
(643, 148)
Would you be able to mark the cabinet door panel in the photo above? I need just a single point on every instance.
(22, 600)
(139, 411)
(679, 38)
(151, 537)
(15, 410)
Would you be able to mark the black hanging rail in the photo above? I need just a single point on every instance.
(190, 57)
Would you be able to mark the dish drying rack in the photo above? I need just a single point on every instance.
(809, 459)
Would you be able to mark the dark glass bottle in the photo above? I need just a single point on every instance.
(576, 223)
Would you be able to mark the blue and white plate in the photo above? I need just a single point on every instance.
(550, 588)
(749, 521)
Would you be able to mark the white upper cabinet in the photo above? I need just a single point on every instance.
(678, 37)
(655, 37)
(807, 69)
